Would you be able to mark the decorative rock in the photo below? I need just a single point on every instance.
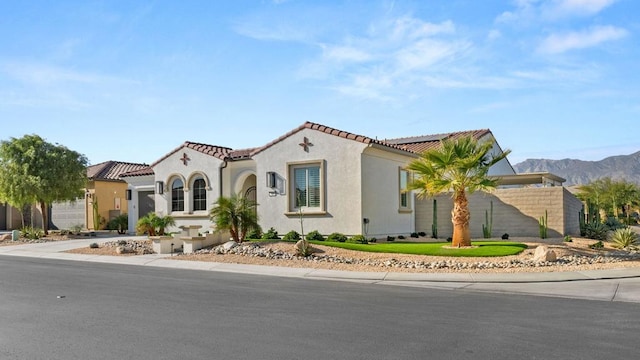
(120, 250)
(302, 248)
(544, 254)
(229, 245)
(5, 237)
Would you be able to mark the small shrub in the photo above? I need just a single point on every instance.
(291, 236)
(449, 239)
(391, 238)
(359, 239)
(76, 229)
(255, 233)
(31, 233)
(401, 237)
(505, 236)
(315, 236)
(596, 231)
(567, 238)
(414, 235)
(93, 245)
(422, 234)
(614, 224)
(597, 246)
(372, 240)
(337, 237)
(624, 239)
(271, 234)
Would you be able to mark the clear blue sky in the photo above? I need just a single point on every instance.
(132, 80)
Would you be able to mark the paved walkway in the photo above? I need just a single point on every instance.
(604, 285)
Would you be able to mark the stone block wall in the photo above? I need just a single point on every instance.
(516, 211)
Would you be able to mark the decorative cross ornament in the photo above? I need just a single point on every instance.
(305, 144)
(185, 159)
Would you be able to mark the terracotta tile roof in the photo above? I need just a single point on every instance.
(142, 172)
(219, 152)
(241, 154)
(327, 130)
(418, 144)
(111, 170)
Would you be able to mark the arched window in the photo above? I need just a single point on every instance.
(177, 195)
(199, 195)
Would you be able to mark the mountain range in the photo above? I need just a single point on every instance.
(580, 172)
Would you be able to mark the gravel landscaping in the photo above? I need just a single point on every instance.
(571, 256)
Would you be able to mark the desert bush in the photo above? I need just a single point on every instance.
(314, 236)
(401, 237)
(567, 238)
(31, 233)
(505, 236)
(359, 239)
(93, 245)
(337, 237)
(614, 224)
(414, 235)
(597, 246)
(271, 234)
(391, 238)
(291, 236)
(255, 233)
(422, 233)
(596, 231)
(624, 239)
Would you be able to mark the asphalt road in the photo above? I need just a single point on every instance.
(53, 309)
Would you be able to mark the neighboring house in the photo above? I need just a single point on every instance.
(105, 197)
(340, 181)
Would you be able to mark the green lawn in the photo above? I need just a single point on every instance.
(483, 249)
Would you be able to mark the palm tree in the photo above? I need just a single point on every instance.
(153, 224)
(161, 223)
(146, 224)
(458, 166)
(236, 214)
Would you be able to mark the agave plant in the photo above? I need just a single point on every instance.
(624, 238)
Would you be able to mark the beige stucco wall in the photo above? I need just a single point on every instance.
(381, 194)
(515, 212)
(341, 159)
(199, 165)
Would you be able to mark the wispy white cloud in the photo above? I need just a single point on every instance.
(568, 8)
(44, 74)
(559, 43)
(528, 11)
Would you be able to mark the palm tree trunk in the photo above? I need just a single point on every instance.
(45, 217)
(460, 217)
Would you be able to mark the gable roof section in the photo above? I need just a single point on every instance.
(328, 130)
(418, 144)
(111, 170)
(218, 152)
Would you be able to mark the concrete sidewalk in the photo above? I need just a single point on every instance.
(604, 285)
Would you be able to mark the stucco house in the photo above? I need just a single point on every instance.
(106, 196)
(343, 182)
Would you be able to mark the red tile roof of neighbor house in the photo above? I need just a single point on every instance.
(415, 144)
(111, 170)
(418, 144)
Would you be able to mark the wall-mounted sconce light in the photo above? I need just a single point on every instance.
(271, 179)
(159, 187)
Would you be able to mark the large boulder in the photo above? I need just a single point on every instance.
(303, 248)
(544, 254)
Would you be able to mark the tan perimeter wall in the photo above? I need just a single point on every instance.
(516, 212)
